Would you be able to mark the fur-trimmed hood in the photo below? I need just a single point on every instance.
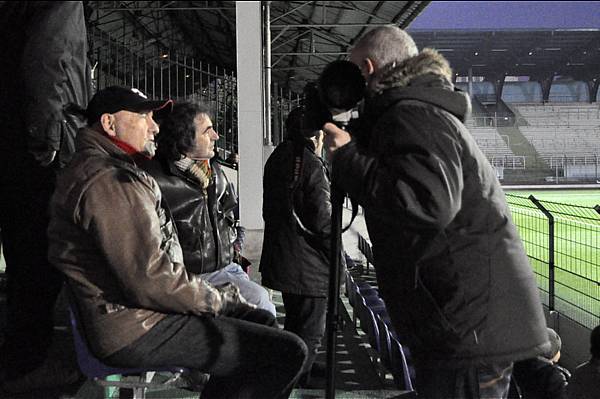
(426, 62)
(426, 77)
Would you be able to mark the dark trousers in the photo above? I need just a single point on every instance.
(33, 284)
(245, 356)
(476, 382)
(305, 316)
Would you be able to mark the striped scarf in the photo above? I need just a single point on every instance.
(199, 171)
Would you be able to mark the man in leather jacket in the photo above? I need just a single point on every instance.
(450, 265)
(111, 234)
(201, 200)
(542, 377)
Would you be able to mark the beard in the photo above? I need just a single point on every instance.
(149, 149)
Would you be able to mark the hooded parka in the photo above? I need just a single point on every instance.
(450, 265)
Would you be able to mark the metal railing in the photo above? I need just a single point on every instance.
(164, 74)
(563, 245)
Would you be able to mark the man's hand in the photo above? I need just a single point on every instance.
(334, 137)
(233, 302)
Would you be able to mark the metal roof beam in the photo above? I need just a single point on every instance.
(347, 25)
(313, 53)
(290, 11)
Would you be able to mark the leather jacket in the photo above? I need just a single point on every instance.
(291, 260)
(115, 241)
(205, 222)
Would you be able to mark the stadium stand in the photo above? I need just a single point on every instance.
(566, 135)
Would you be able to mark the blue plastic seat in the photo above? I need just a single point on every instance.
(111, 378)
(401, 367)
(367, 308)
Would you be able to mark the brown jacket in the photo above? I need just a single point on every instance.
(117, 245)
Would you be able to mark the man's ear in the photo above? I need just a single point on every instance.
(107, 121)
(370, 66)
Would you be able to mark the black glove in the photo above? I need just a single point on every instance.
(233, 302)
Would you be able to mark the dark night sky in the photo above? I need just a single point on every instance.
(486, 15)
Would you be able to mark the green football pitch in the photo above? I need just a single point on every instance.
(574, 197)
(576, 250)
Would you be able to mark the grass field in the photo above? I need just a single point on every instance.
(575, 197)
(576, 250)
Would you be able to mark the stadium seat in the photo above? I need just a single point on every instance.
(137, 380)
(401, 369)
(360, 289)
(367, 308)
(385, 346)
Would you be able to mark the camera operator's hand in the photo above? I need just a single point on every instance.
(334, 137)
(233, 302)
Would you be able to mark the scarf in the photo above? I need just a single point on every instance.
(198, 171)
(138, 157)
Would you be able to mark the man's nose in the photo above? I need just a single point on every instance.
(215, 136)
(153, 128)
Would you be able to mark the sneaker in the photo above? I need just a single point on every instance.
(191, 380)
(195, 380)
(48, 375)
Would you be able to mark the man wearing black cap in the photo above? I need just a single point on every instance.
(114, 239)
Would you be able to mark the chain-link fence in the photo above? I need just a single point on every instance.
(563, 245)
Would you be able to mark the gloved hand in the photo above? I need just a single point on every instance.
(233, 302)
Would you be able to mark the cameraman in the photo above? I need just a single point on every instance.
(295, 261)
(450, 265)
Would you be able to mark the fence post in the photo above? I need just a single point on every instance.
(550, 217)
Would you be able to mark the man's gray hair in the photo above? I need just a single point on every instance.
(387, 44)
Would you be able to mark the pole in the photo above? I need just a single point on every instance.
(337, 198)
(551, 264)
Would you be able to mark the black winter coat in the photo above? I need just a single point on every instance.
(205, 225)
(44, 69)
(450, 264)
(292, 261)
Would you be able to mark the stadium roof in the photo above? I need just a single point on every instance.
(305, 35)
(536, 53)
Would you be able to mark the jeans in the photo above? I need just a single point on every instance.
(245, 356)
(252, 292)
(476, 382)
(305, 316)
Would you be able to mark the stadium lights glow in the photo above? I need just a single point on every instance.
(531, 53)
(476, 53)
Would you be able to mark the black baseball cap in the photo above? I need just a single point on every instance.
(118, 98)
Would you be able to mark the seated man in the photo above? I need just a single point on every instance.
(113, 237)
(201, 200)
(541, 377)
